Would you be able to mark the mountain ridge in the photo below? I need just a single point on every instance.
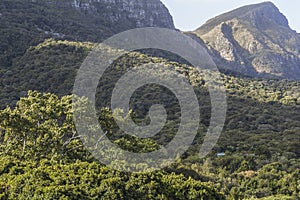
(43, 157)
(148, 13)
(255, 40)
(26, 23)
(244, 11)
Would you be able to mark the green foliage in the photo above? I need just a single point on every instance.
(261, 129)
(89, 180)
(53, 164)
(25, 23)
(262, 123)
(40, 126)
(42, 156)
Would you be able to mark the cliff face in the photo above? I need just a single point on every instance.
(144, 13)
(255, 40)
(24, 23)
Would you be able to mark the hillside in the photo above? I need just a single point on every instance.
(261, 130)
(42, 156)
(255, 40)
(24, 22)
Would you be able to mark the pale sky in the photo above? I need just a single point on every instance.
(188, 15)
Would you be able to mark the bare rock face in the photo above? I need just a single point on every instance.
(255, 40)
(144, 13)
(150, 13)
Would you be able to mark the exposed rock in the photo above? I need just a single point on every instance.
(255, 40)
(145, 13)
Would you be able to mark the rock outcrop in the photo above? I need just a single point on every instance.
(145, 13)
(255, 40)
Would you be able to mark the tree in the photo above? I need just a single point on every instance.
(41, 125)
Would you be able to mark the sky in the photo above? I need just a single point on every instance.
(188, 15)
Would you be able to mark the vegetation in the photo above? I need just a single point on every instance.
(38, 138)
(42, 155)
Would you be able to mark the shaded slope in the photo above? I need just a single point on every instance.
(24, 22)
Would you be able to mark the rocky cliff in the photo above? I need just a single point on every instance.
(24, 23)
(144, 13)
(255, 40)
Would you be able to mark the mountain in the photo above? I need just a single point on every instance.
(42, 45)
(255, 40)
(25, 23)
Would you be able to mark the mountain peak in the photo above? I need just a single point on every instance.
(255, 40)
(259, 15)
(268, 4)
(265, 13)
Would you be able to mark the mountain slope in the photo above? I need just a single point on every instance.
(41, 155)
(26, 22)
(255, 40)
